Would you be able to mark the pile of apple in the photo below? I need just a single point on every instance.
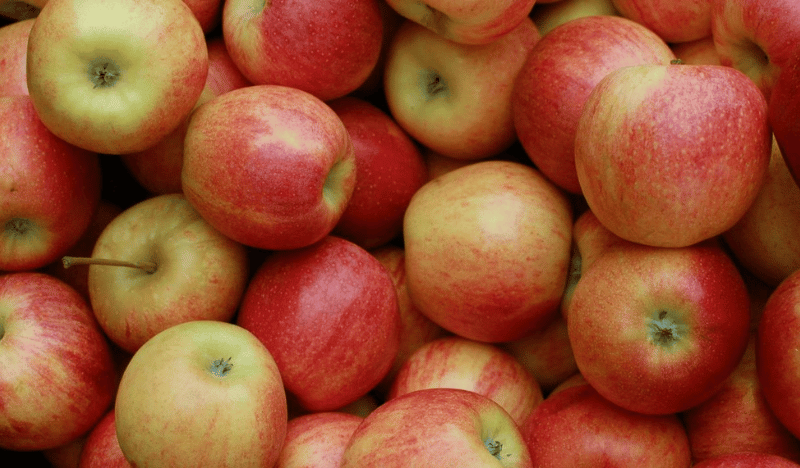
(393, 233)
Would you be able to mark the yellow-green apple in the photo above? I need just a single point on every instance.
(748, 460)
(777, 361)
(199, 394)
(483, 368)
(546, 353)
(737, 418)
(456, 98)
(179, 268)
(784, 113)
(317, 440)
(415, 328)
(467, 22)
(697, 52)
(325, 47)
(13, 56)
(548, 15)
(436, 428)
(374, 214)
(670, 155)
(158, 168)
(756, 37)
(271, 167)
(487, 250)
(557, 77)
(328, 314)
(49, 189)
(101, 449)
(576, 426)
(765, 239)
(58, 376)
(674, 22)
(115, 76)
(658, 330)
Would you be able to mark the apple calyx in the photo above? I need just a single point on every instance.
(18, 226)
(221, 367)
(495, 447)
(664, 331)
(103, 72)
(434, 84)
(149, 267)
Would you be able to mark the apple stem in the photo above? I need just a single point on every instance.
(149, 267)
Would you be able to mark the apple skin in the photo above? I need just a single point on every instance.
(455, 362)
(776, 360)
(14, 47)
(697, 52)
(317, 440)
(466, 22)
(548, 15)
(201, 274)
(659, 330)
(174, 408)
(52, 350)
(757, 37)
(101, 449)
(456, 98)
(784, 113)
(674, 22)
(653, 182)
(49, 189)
(577, 427)
(271, 44)
(559, 74)
(159, 49)
(389, 170)
(285, 192)
(207, 12)
(328, 313)
(747, 460)
(408, 431)
(487, 264)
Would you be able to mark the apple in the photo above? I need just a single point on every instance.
(389, 170)
(207, 12)
(578, 427)
(328, 313)
(548, 15)
(456, 98)
(658, 330)
(326, 48)
(437, 427)
(674, 22)
(697, 52)
(466, 22)
(671, 155)
(101, 449)
(559, 74)
(747, 460)
(58, 376)
(201, 393)
(373, 85)
(49, 189)
(455, 362)
(317, 440)
(167, 266)
(487, 250)
(15, 10)
(13, 56)
(765, 239)
(784, 109)
(777, 361)
(269, 166)
(115, 76)
(63, 456)
(757, 37)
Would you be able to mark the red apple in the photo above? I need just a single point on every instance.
(269, 166)
(325, 47)
(101, 449)
(437, 427)
(389, 170)
(683, 21)
(49, 189)
(659, 330)
(577, 427)
(202, 393)
(207, 12)
(670, 155)
(328, 314)
(317, 440)
(455, 362)
(784, 113)
(58, 377)
(557, 77)
(697, 52)
(747, 460)
(487, 250)
(13, 56)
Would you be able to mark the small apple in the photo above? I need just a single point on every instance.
(317, 440)
(674, 22)
(101, 449)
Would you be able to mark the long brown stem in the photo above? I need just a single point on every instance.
(149, 267)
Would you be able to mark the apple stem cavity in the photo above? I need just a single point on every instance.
(221, 367)
(434, 84)
(103, 72)
(149, 267)
(494, 447)
(664, 331)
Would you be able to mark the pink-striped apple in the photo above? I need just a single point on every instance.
(317, 440)
(101, 449)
